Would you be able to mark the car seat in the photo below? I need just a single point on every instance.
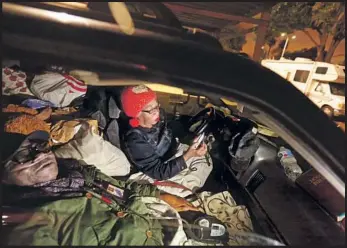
(100, 104)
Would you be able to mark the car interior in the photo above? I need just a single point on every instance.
(263, 187)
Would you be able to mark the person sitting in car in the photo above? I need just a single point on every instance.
(149, 144)
(49, 201)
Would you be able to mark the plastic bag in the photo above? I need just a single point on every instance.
(58, 89)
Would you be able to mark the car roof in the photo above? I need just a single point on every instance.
(151, 16)
(156, 57)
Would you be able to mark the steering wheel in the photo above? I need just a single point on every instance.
(200, 122)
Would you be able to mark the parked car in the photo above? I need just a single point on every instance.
(279, 209)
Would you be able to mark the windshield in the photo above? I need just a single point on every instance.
(337, 89)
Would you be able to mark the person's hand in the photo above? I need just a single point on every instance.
(193, 151)
(178, 203)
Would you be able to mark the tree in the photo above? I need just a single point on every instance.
(310, 53)
(232, 39)
(270, 41)
(285, 18)
(275, 51)
(328, 18)
(325, 18)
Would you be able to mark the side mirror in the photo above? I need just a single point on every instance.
(320, 89)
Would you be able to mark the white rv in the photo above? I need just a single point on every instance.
(322, 82)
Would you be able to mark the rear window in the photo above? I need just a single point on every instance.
(337, 89)
(301, 76)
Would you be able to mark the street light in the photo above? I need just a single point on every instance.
(286, 44)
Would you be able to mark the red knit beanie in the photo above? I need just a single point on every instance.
(134, 99)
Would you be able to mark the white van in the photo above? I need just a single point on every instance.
(322, 82)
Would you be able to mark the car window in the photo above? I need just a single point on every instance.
(301, 76)
(337, 89)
